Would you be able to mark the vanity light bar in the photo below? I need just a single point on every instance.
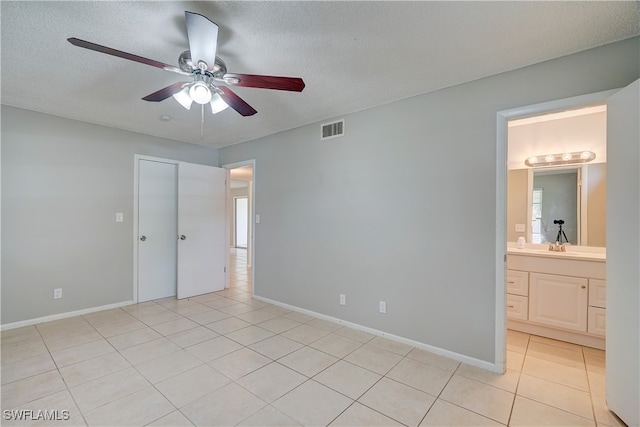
(560, 159)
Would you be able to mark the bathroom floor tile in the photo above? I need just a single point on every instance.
(556, 372)
(527, 412)
(556, 395)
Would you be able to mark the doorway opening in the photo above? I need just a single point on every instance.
(509, 229)
(240, 205)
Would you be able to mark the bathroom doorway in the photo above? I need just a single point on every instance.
(556, 358)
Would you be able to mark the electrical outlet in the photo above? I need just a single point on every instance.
(57, 293)
(383, 307)
(343, 299)
(519, 228)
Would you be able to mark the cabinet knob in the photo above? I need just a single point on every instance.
(584, 286)
(511, 306)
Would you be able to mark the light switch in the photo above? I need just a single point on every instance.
(257, 218)
(519, 228)
(119, 216)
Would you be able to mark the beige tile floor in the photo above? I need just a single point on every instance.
(227, 359)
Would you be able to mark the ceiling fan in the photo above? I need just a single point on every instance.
(207, 71)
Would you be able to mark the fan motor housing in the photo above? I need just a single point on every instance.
(186, 64)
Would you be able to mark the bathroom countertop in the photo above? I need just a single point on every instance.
(584, 253)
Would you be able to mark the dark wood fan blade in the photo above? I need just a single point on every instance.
(235, 102)
(203, 39)
(109, 51)
(163, 94)
(294, 84)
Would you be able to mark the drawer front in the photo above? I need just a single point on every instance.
(518, 282)
(597, 293)
(597, 321)
(517, 307)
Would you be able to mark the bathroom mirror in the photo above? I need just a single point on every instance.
(577, 195)
(555, 207)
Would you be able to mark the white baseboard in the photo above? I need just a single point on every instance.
(59, 316)
(493, 367)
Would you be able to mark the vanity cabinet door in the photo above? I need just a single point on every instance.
(597, 293)
(559, 301)
(597, 321)
(518, 282)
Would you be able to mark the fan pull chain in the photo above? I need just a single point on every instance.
(202, 122)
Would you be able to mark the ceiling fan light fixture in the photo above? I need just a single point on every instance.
(184, 98)
(200, 92)
(217, 104)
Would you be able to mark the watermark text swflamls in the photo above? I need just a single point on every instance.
(35, 415)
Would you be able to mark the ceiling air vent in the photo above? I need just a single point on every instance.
(333, 130)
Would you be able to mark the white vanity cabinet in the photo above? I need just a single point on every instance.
(596, 323)
(558, 296)
(517, 294)
(559, 301)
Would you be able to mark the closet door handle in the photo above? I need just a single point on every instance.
(183, 237)
(143, 238)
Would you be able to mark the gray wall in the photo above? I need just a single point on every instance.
(62, 183)
(403, 207)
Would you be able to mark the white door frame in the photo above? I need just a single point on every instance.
(136, 172)
(503, 117)
(252, 216)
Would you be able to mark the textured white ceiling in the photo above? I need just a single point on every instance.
(351, 55)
